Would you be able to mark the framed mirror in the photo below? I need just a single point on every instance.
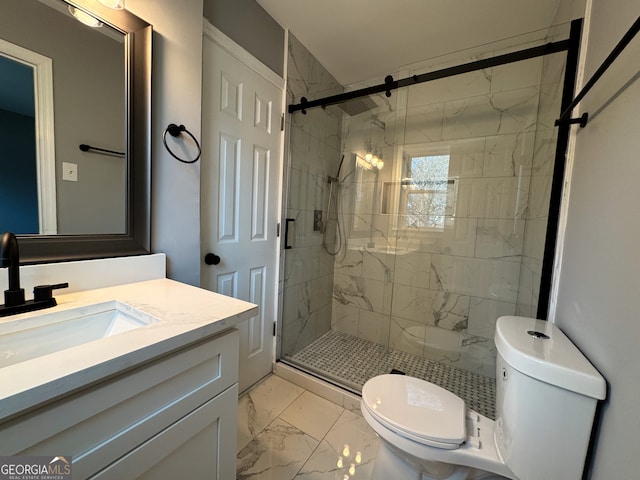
(93, 90)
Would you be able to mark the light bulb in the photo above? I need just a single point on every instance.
(352, 470)
(374, 161)
(358, 457)
(380, 164)
(368, 157)
(345, 451)
(115, 4)
(339, 464)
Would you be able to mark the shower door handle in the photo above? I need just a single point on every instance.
(286, 232)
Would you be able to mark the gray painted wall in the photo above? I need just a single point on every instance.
(251, 27)
(600, 274)
(176, 98)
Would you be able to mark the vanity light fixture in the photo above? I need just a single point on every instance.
(374, 161)
(115, 4)
(373, 155)
(84, 17)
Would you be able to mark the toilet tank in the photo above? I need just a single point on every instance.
(546, 398)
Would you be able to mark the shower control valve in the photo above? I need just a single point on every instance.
(317, 220)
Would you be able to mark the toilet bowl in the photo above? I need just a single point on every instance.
(546, 395)
(428, 433)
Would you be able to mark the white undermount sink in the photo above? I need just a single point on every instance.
(45, 333)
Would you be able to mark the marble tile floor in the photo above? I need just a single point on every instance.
(287, 432)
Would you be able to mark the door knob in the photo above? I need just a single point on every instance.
(211, 259)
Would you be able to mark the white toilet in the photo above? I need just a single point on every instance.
(546, 398)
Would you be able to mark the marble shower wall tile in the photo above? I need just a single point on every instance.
(529, 288)
(306, 190)
(424, 124)
(349, 262)
(378, 266)
(534, 240)
(470, 84)
(345, 317)
(539, 193)
(374, 327)
(539, 197)
(496, 197)
(305, 75)
(413, 268)
(545, 151)
(508, 155)
(501, 113)
(551, 91)
(299, 332)
(483, 314)
(477, 355)
(305, 263)
(458, 237)
(500, 239)
(430, 307)
(476, 277)
(363, 293)
(407, 336)
(457, 349)
(515, 76)
(308, 297)
(467, 157)
(310, 152)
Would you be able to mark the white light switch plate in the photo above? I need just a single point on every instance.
(69, 172)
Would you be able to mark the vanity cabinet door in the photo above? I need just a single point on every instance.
(200, 445)
(106, 422)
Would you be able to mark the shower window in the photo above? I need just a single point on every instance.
(428, 194)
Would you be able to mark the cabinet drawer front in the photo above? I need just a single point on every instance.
(100, 424)
(201, 445)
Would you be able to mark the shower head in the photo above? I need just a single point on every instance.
(358, 105)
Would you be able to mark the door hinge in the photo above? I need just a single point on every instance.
(278, 230)
(282, 123)
(274, 329)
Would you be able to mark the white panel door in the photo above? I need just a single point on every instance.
(241, 141)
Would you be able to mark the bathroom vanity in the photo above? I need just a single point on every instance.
(132, 381)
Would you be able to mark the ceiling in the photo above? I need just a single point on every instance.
(359, 40)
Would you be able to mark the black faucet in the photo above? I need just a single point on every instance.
(9, 257)
(14, 301)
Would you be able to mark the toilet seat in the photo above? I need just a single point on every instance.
(416, 409)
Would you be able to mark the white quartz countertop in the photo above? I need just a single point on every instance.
(182, 314)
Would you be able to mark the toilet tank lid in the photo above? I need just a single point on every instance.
(540, 350)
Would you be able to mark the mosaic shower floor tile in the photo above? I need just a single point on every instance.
(351, 361)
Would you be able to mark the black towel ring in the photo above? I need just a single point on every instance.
(175, 130)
